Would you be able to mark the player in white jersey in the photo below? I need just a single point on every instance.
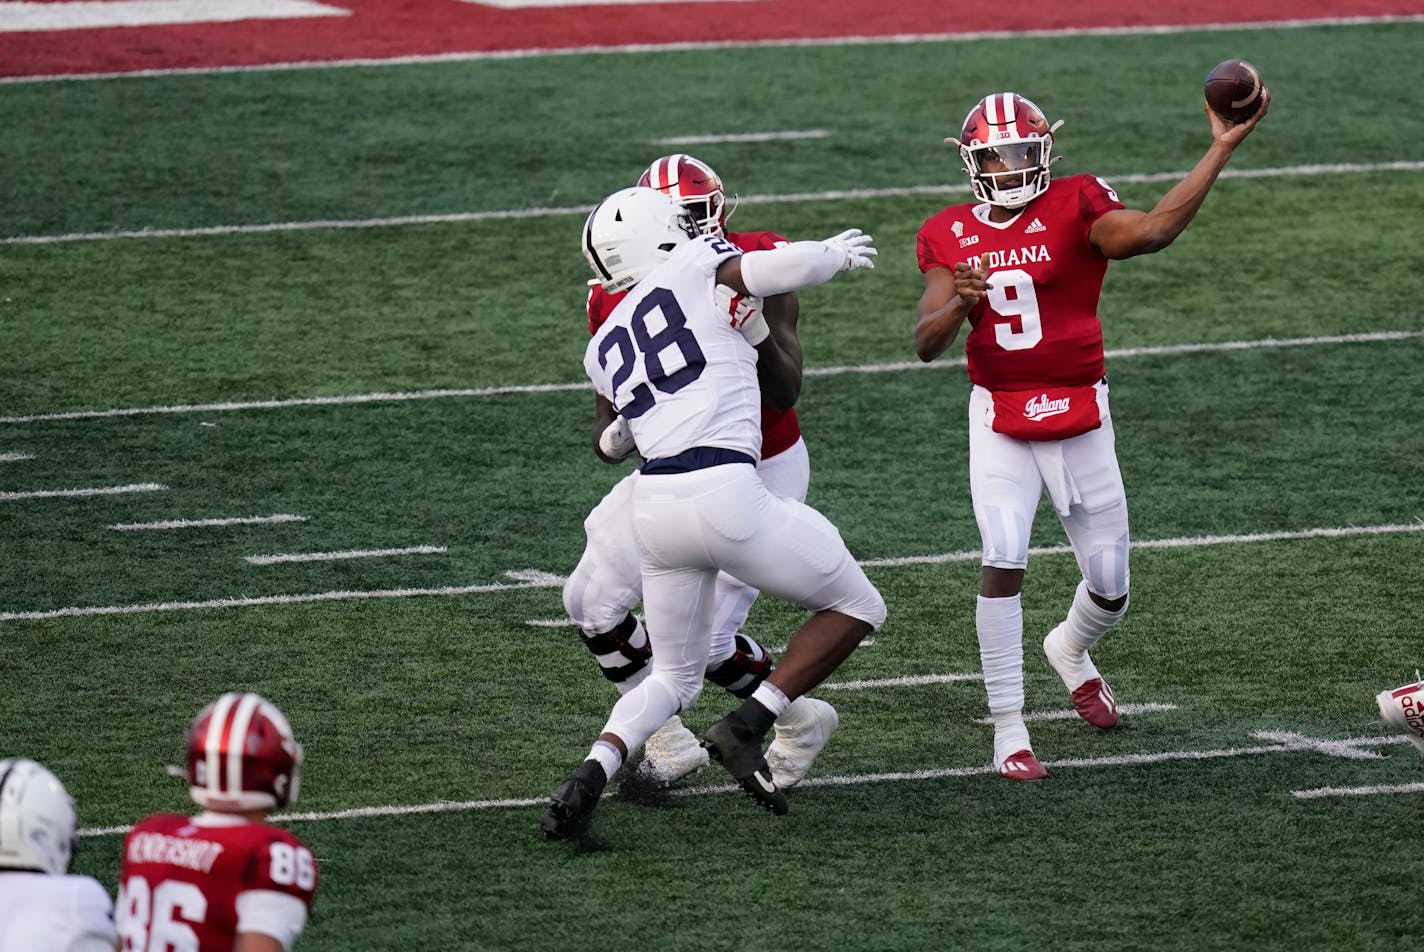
(43, 908)
(684, 378)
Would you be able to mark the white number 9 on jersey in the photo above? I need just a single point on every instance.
(1021, 309)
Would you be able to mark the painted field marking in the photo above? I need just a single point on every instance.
(96, 491)
(787, 136)
(88, 14)
(845, 780)
(1319, 792)
(908, 681)
(1163, 350)
(683, 47)
(347, 554)
(15, 457)
(1069, 714)
(204, 523)
(581, 210)
(535, 578)
(524, 4)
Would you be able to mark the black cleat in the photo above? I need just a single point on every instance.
(737, 748)
(571, 806)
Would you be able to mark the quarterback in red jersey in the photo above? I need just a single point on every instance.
(1024, 265)
(224, 879)
(607, 584)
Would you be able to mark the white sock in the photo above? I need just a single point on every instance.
(1087, 621)
(770, 697)
(999, 622)
(607, 756)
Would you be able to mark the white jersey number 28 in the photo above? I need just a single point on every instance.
(654, 348)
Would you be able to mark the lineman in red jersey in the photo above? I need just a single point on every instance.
(224, 879)
(1024, 265)
(607, 584)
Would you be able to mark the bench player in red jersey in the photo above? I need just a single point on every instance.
(607, 584)
(224, 879)
(1024, 265)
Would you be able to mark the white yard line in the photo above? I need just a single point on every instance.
(15, 457)
(94, 491)
(1375, 791)
(1306, 745)
(895, 39)
(907, 681)
(560, 211)
(346, 554)
(1069, 714)
(787, 135)
(534, 578)
(204, 523)
(1265, 343)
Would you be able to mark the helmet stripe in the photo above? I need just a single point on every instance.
(673, 184)
(1010, 109)
(212, 746)
(237, 739)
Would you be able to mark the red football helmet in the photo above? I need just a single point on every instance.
(242, 755)
(695, 186)
(1006, 144)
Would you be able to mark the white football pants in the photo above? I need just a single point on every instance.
(607, 583)
(691, 525)
(1008, 476)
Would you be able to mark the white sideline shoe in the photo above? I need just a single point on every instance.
(1403, 709)
(800, 737)
(672, 753)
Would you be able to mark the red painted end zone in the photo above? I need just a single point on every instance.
(381, 29)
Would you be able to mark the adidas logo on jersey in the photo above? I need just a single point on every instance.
(1035, 227)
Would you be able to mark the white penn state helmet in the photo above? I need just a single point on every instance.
(633, 231)
(37, 818)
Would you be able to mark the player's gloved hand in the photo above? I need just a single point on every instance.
(743, 311)
(616, 440)
(857, 248)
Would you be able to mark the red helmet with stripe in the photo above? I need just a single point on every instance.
(1006, 144)
(242, 755)
(695, 186)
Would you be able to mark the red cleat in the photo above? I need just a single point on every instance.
(1094, 702)
(1022, 765)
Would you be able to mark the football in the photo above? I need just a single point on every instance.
(1233, 90)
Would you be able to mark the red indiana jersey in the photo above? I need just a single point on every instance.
(1038, 325)
(779, 428)
(183, 880)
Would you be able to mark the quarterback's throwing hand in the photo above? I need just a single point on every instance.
(857, 247)
(743, 311)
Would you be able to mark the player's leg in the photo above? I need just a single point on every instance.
(740, 664)
(679, 582)
(599, 596)
(1097, 528)
(1005, 486)
(788, 549)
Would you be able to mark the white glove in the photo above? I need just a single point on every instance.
(743, 311)
(616, 440)
(856, 247)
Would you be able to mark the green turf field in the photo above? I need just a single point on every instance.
(1177, 831)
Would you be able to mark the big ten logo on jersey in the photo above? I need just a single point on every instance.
(958, 229)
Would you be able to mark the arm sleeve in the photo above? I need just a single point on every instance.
(801, 264)
(269, 912)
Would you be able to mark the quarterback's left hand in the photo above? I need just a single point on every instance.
(744, 312)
